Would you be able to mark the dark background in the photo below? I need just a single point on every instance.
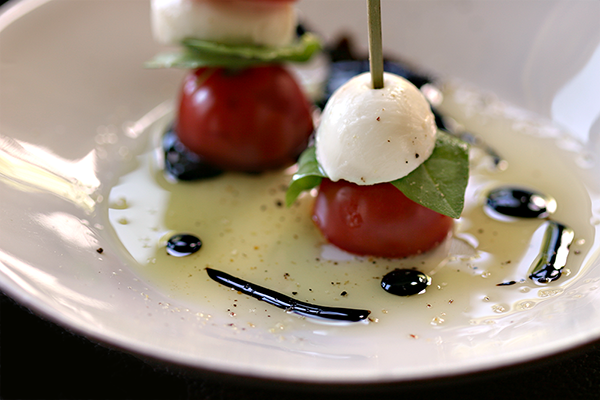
(40, 360)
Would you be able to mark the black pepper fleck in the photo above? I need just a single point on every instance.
(100, 250)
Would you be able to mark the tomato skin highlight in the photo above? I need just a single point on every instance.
(251, 119)
(376, 220)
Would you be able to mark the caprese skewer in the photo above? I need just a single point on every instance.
(239, 107)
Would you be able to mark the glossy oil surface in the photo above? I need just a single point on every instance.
(249, 233)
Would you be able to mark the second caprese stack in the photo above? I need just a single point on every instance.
(239, 108)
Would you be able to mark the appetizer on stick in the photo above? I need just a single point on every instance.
(239, 108)
(389, 182)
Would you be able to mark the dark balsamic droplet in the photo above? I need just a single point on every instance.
(183, 245)
(286, 302)
(521, 203)
(405, 282)
(508, 283)
(183, 164)
(300, 30)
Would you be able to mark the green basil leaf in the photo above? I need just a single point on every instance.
(202, 53)
(308, 176)
(187, 59)
(438, 184)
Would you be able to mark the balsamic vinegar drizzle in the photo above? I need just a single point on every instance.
(285, 302)
(553, 253)
(522, 203)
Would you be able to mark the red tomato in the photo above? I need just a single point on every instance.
(376, 220)
(245, 120)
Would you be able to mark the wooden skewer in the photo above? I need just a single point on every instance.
(375, 43)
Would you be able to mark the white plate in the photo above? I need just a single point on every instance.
(72, 86)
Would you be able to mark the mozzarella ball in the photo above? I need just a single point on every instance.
(230, 22)
(368, 136)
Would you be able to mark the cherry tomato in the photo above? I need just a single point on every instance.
(376, 220)
(245, 120)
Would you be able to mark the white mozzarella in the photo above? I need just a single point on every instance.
(368, 136)
(224, 21)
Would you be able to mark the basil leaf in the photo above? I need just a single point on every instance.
(198, 53)
(438, 184)
(187, 59)
(308, 176)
